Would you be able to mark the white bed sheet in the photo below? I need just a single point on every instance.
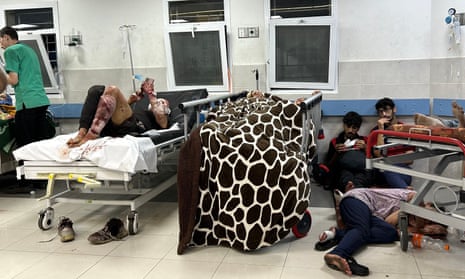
(127, 154)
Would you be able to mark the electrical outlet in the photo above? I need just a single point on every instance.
(253, 32)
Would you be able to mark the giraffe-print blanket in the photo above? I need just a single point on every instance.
(254, 186)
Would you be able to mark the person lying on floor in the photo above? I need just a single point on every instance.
(370, 216)
(457, 111)
(106, 112)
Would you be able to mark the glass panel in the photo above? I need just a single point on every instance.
(30, 19)
(196, 11)
(302, 53)
(299, 8)
(196, 59)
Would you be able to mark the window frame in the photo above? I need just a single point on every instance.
(330, 21)
(55, 91)
(223, 30)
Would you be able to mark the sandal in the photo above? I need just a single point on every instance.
(356, 268)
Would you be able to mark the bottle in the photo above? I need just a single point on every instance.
(423, 241)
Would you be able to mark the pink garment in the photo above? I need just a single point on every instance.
(382, 202)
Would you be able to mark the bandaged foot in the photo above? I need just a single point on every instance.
(421, 119)
(457, 111)
(327, 235)
(338, 263)
(326, 240)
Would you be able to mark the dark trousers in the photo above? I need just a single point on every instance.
(30, 125)
(362, 228)
(398, 180)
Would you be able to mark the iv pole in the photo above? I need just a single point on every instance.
(127, 28)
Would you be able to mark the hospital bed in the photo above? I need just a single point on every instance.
(432, 144)
(101, 171)
(243, 175)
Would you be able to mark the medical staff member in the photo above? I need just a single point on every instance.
(24, 74)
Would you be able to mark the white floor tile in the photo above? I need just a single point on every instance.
(60, 266)
(13, 263)
(140, 246)
(120, 268)
(152, 252)
(211, 254)
(245, 271)
(183, 270)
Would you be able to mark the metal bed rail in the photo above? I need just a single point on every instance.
(447, 149)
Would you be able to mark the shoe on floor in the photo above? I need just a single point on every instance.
(325, 245)
(356, 268)
(114, 230)
(65, 229)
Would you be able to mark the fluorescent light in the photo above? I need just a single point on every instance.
(24, 26)
(178, 21)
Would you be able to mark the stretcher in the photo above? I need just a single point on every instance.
(102, 171)
(246, 184)
(444, 150)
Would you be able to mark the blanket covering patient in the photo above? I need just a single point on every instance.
(253, 184)
(106, 112)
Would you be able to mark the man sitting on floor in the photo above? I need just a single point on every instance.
(346, 156)
(108, 103)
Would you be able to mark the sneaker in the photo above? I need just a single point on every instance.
(65, 229)
(114, 230)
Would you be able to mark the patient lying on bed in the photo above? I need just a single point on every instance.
(106, 112)
(457, 111)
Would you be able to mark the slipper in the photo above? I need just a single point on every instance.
(356, 268)
(328, 242)
(323, 246)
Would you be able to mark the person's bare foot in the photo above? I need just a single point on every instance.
(79, 140)
(421, 119)
(74, 141)
(457, 111)
(338, 263)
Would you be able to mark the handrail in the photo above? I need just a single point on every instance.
(312, 101)
(373, 136)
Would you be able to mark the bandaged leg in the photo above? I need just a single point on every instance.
(105, 109)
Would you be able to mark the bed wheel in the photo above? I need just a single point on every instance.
(133, 222)
(403, 226)
(303, 226)
(46, 218)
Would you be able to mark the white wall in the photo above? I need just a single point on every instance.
(384, 30)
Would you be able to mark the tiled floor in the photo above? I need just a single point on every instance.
(152, 252)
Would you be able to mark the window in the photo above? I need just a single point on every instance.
(37, 27)
(302, 44)
(48, 76)
(196, 45)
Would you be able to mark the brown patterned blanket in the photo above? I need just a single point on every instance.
(253, 185)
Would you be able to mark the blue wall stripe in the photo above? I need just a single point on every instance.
(367, 107)
(66, 110)
(442, 107)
